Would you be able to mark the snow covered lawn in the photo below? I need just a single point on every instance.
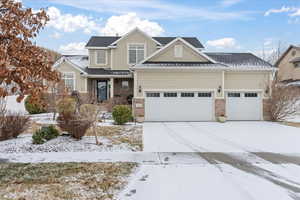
(218, 137)
(62, 181)
(125, 138)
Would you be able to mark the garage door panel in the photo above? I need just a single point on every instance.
(179, 108)
(243, 106)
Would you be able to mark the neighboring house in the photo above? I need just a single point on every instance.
(289, 65)
(171, 78)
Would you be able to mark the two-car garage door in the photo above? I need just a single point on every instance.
(179, 106)
(199, 106)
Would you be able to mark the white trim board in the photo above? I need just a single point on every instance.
(172, 42)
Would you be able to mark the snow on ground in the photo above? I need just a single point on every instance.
(13, 106)
(23, 144)
(221, 137)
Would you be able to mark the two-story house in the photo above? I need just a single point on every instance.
(289, 65)
(171, 78)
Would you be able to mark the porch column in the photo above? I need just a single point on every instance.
(111, 87)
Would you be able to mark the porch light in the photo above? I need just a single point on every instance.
(140, 89)
(219, 89)
(267, 91)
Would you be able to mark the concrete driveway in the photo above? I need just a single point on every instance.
(217, 137)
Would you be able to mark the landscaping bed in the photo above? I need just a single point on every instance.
(60, 181)
(113, 138)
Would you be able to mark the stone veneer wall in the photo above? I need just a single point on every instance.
(138, 108)
(220, 107)
(266, 109)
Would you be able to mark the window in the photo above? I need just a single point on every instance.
(69, 80)
(234, 94)
(136, 53)
(178, 51)
(294, 53)
(251, 94)
(170, 94)
(204, 94)
(297, 64)
(101, 57)
(153, 94)
(187, 94)
(125, 84)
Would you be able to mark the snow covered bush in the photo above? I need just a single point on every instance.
(33, 107)
(122, 114)
(12, 125)
(284, 101)
(45, 134)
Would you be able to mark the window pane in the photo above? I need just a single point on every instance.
(140, 55)
(187, 94)
(69, 84)
(251, 94)
(132, 56)
(234, 94)
(101, 57)
(125, 84)
(67, 75)
(170, 94)
(204, 94)
(153, 94)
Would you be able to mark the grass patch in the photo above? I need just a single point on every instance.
(60, 181)
(294, 124)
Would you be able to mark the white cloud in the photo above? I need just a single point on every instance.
(124, 23)
(56, 35)
(228, 3)
(292, 11)
(155, 9)
(71, 23)
(223, 43)
(73, 48)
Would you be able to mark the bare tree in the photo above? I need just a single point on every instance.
(272, 53)
(284, 101)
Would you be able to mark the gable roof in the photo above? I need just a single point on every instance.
(286, 52)
(106, 41)
(79, 62)
(184, 42)
(240, 60)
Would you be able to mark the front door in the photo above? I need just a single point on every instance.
(102, 90)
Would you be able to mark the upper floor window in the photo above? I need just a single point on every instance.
(69, 80)
(178, 50)
(101, 57)
(136, 53)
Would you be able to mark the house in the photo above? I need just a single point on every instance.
(289, 65)
(171, 78)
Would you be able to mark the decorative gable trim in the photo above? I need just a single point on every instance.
(184, 42)
(64, 59)
(132, 31)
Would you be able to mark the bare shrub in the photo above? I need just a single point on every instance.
(12, 125)
(91, 113)
(3, 109)
(284, 101)
(74, 125)
(111, 103)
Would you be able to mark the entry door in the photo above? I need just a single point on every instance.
(179, 106)
(244, 106)
(102, 90)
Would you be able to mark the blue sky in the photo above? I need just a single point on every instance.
(221, 25)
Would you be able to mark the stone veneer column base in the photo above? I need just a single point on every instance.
(220, 107)
(138, 108)
(266, 110)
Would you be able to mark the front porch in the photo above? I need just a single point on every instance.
(104, 89)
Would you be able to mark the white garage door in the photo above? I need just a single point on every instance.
(243, 106)
(179, 106)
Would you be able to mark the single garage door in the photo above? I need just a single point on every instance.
(243, 106)
(179, 106)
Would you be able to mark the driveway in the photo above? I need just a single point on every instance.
(218, 137)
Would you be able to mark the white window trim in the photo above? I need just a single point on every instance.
(74, 78)
(145, 52)
(95, 54)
